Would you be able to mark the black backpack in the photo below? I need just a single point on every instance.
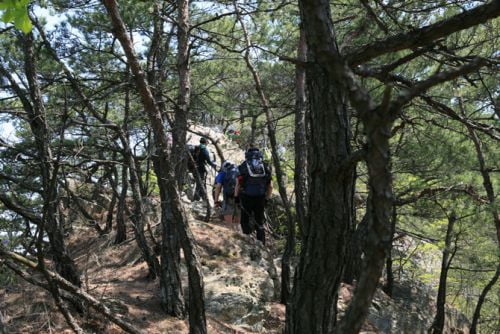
(256, 174)
(229, 182)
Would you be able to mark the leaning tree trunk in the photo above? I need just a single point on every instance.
(480, 302)
(490, 192)
(196, 302)
(290, 241)
(109, 214)
(197, 320)
(138, 216)
(49, 169)
(438, 323)
(38, 124)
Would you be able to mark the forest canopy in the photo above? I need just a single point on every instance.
(379, 118)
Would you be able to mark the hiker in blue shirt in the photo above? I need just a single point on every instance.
(225, 182)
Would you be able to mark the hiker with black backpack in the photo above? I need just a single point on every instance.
(225, 182)
(201, 157)
(253, 188)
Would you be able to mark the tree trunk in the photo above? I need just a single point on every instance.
(354, 258)
(438, 323)
(113, 181)
(290, 240)
(389, 285)
(253, 130)
(300, 138)
(121, 227)
(377, 124)
(314, 298)
(138, 214)
(482, 298)
(332, 167)
(37, 120)
(490, 192)
(183, 100)
(3, 329)
(197, 320)
(171, 296)
(109, 215)
(487, 183)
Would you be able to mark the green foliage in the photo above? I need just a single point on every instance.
(428, 149)
(16, 11)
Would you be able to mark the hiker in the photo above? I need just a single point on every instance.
(201, 157)
(225, 182)
(253, 188)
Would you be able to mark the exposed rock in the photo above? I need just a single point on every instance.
(411, 311)
(238, 284)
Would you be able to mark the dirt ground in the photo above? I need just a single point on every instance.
(115, 275)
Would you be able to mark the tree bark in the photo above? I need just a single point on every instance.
(314, 298)
(38, 124)
(354, 258)
(197, 320)
(438, 323)
(183, 100)
(487, 182)
(377, 124)
(330, 83)
(138, 214)
(300, 137)
(121, 227)
(3, 329)
(389, 284)
(171, 293)
(171, 296)
(480, 302)
(109, 215)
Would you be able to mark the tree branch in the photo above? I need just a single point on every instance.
(78, 292)
(427, 34)
(436, 79)
(11, 205)
(432, 192)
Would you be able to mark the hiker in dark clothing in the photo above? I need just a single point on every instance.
(201, 159)
(253, 188)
